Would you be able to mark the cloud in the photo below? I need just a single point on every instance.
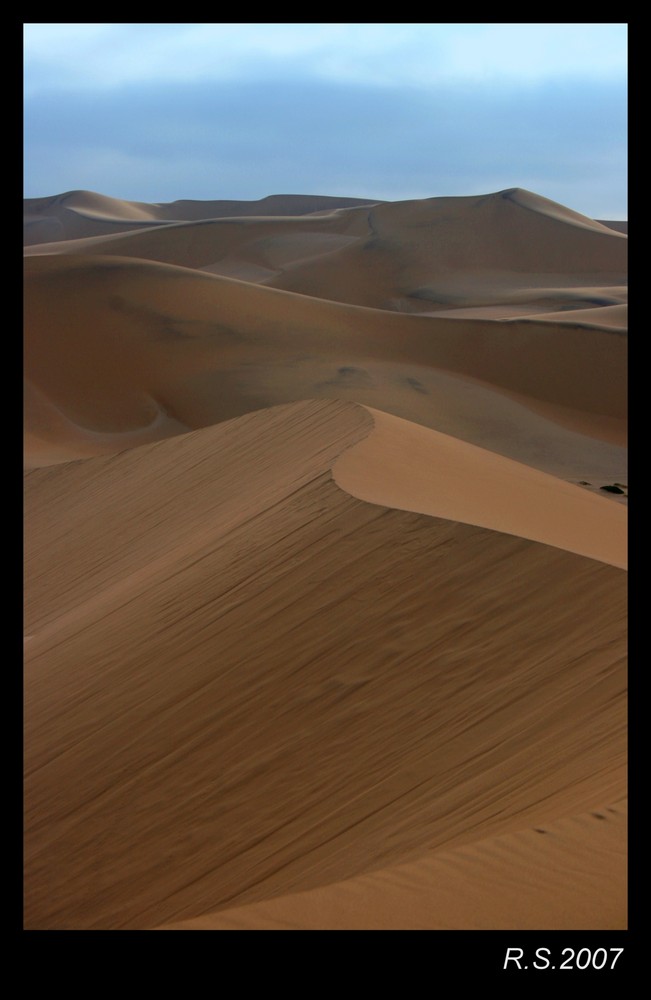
(160, 143)
(102, 56)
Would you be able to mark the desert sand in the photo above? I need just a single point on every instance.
(325, 600)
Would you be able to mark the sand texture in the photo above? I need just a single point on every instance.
(325, 601)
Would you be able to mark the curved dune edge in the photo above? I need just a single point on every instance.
(405, 466)
(50, 437)
(77, 214)
(569, 874)
(409, 683)
(250, 461)
(545, 206)
(611, 318)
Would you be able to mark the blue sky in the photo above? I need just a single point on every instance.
(159, 112)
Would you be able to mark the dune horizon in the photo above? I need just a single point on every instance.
(325, 610)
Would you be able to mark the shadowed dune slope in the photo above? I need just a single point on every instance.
(534, 879)
(613, 317)
(120, 346)
(214, 245)
(445, 252)
(242, 682)
(619, 225)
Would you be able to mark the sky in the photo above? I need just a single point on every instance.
(159, 112)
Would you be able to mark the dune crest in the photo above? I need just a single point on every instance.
(359, 723)
(534, 879)
(415, 468)
(536, 203)
(82, 214)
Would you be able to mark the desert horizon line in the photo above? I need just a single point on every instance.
(303, 193)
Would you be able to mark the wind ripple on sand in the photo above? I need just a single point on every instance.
(533, 879)
(410, 684)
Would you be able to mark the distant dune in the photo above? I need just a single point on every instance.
(325, 545)
(510, 248)
(85, 213)
(151, 346)
(618, 225)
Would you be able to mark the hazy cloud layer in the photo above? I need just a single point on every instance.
(101, 56)
(158, 112)
(158, 143)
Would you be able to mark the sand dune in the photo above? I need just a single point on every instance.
(180, 761)
(432, 254)
(619, 225)
(613, 318)
(85, 213)
(265, 243)
(479, 251)
(535, 879)
(409, 467)
(325, 535)
(142, 337)
(439, 254)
